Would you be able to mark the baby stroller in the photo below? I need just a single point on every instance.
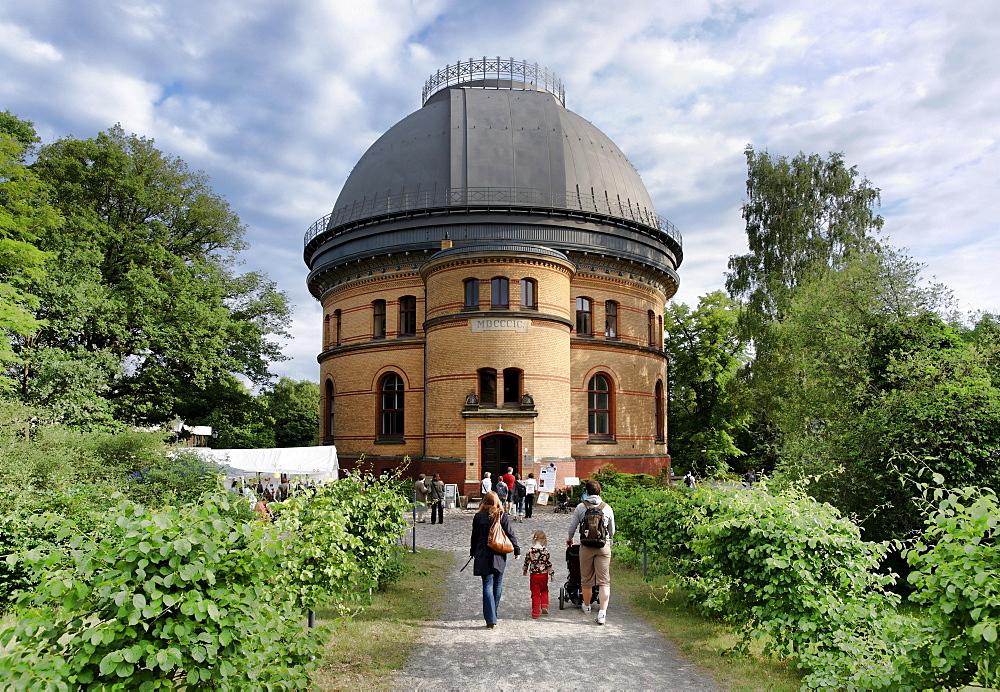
(572, 590)
(562, 503)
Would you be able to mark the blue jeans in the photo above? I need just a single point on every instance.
(492, 590)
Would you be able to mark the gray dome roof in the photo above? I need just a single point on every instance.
(496, 143)
(493, 156)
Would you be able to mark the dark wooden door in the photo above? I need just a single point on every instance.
(499, 452)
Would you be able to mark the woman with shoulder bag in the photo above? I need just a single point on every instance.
(492, 539)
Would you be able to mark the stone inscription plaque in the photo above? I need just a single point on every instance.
(498, 324)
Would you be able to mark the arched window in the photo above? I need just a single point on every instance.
(599, 402)
(407, 316)
(652, 329)
(390, 405)
(328, 427)
(326, 331)
(584, 322)
(660, 410)
(487, 387)
(610, 320)
(378, 319)
(529, 294)
(337, 319)
(471, 293)
(499, 293)
(659, 332)
(511, 386)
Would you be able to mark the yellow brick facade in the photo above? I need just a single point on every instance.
(537, 346)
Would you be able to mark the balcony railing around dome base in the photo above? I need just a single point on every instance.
(490, 69)
(488, 197)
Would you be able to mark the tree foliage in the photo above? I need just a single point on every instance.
(294, 407)
(25, 215)
(705, 357)
(141, 297)
(802, 215)
(876, 387)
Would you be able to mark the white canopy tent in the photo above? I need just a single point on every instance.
(319, 463)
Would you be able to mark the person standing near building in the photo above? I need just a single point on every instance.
(420, 498)
(595, 520)
(487, 485)
(436, 495)
(530, 486)
(519, 493)
(508, 478)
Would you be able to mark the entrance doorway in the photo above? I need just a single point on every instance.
(499, 452)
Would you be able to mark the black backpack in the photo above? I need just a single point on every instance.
(594, 527)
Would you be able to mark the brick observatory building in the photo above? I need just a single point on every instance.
(493, 278)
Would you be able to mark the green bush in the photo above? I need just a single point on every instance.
(956, 572)
(341, 540)
(177, 597)
(659, 519)
(787, 567)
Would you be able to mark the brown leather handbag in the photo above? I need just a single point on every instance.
(497, 541)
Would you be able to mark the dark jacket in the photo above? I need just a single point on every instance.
(486, 560)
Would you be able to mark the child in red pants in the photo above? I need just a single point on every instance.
(539, 563)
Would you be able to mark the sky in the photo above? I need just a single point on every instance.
(276, 100)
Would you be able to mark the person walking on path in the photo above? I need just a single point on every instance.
(530, 486)
(504, 494)
(751, 477)
(595, 520)
(539, 563)
(508, 480)
(488, 564)
(487, 485)
(420, 497)
(435, 494)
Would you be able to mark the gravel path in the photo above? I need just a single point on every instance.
(564, 650)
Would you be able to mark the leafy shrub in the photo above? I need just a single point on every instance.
(178, 597)
(341, 540)
(661, 520)
(787, 567)
(956, 565)
(180, 477)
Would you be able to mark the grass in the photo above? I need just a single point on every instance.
(701, 640)
(366, 650)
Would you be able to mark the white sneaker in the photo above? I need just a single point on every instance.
(601, 614)
(586, 608)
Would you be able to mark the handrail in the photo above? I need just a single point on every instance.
(494, 68)
(504, 197)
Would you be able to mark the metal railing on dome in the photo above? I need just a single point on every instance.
(487, 198)
(494, 68)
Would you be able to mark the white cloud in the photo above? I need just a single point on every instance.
(21, 47)
(277, 101)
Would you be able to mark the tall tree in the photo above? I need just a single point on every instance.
(705, 357)
(142, 296)
(25, 213)
(802, 215)
(294, 406)
(879, 389)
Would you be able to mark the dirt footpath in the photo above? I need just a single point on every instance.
(564, 650)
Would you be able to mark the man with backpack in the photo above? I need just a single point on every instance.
(595, 520)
